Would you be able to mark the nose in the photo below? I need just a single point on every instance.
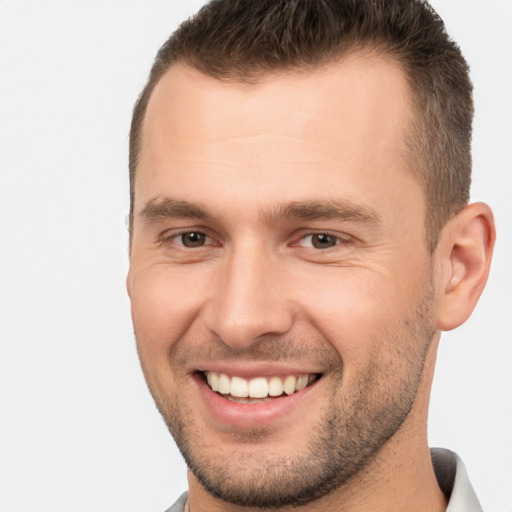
(249, 300)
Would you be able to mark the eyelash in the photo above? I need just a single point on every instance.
(172, 239)
(336, 239)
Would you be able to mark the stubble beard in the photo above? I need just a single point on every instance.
(354, 427)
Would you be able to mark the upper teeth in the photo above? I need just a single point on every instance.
(259, 387)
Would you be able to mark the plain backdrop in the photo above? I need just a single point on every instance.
(78, 429)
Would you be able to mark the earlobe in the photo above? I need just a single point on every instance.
(465, 251)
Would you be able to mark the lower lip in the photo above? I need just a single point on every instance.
(248, 416)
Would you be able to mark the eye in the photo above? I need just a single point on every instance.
(320, 241)
(191, 239)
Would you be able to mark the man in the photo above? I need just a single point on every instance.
(300, 236)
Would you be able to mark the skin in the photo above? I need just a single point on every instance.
(256, 297)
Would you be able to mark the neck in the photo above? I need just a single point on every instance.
(399, 478)
(404, 484)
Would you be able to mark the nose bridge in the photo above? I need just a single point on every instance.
(248, 301)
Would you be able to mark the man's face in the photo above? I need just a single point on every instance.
(279, 239)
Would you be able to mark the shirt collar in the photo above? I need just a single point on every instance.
(453, 480)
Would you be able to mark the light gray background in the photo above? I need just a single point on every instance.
(78, 430)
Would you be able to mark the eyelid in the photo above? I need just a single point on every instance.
(172, 235)
(341, 238)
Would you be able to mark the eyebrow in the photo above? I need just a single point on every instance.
(161, 208)
(345, 210)
(167, 208)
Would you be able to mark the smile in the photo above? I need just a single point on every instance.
(256, 390)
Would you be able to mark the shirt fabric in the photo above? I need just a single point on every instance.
(450, 474)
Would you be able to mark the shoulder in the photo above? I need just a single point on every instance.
(453, 480)
(179, 506)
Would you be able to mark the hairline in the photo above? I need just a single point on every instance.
(415, 163)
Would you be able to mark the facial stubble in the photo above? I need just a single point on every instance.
(349, 433)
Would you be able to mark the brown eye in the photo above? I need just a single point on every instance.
(192, 239)
(323, 241)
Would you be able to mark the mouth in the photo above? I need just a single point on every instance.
(258, 389)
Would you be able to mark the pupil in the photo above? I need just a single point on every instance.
(192, 239)
(321, 241)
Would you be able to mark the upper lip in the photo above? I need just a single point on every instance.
(253, 369)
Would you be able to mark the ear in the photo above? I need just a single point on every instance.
(128, 284)
(465, 251)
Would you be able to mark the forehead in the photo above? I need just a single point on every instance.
(295, 133)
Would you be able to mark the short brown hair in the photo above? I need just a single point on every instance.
(245, 39)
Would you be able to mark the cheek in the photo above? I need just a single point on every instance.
(357, 312)
(163, 307)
